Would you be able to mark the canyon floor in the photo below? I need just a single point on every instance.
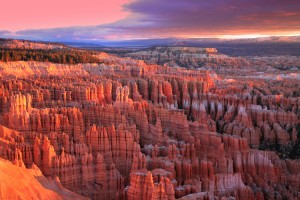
(133, 129)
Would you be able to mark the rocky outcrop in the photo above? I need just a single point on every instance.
(142, 186)
(40, 186)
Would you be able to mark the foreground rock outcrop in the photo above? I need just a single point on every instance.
(21, 183)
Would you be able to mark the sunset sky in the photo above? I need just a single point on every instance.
(96, 20)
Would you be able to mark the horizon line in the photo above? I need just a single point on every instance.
(221, 37)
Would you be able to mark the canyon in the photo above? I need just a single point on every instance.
(129, 129)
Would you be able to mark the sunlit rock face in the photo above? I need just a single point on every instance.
(17, 182)
(127, 130)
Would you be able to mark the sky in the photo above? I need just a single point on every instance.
(99, 20)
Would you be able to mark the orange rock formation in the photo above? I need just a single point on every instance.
(127, 130)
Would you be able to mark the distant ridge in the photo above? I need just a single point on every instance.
(142, 43)
(262, 46)
(28, 44)
(135, 43)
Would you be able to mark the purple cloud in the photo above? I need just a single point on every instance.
(219, 16)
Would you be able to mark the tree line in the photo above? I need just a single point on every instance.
(55, 56)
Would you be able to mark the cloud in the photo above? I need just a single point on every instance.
(216, 17)
(184, 18)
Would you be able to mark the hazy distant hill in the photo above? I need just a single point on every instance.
(263, 46)
(185, 42)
